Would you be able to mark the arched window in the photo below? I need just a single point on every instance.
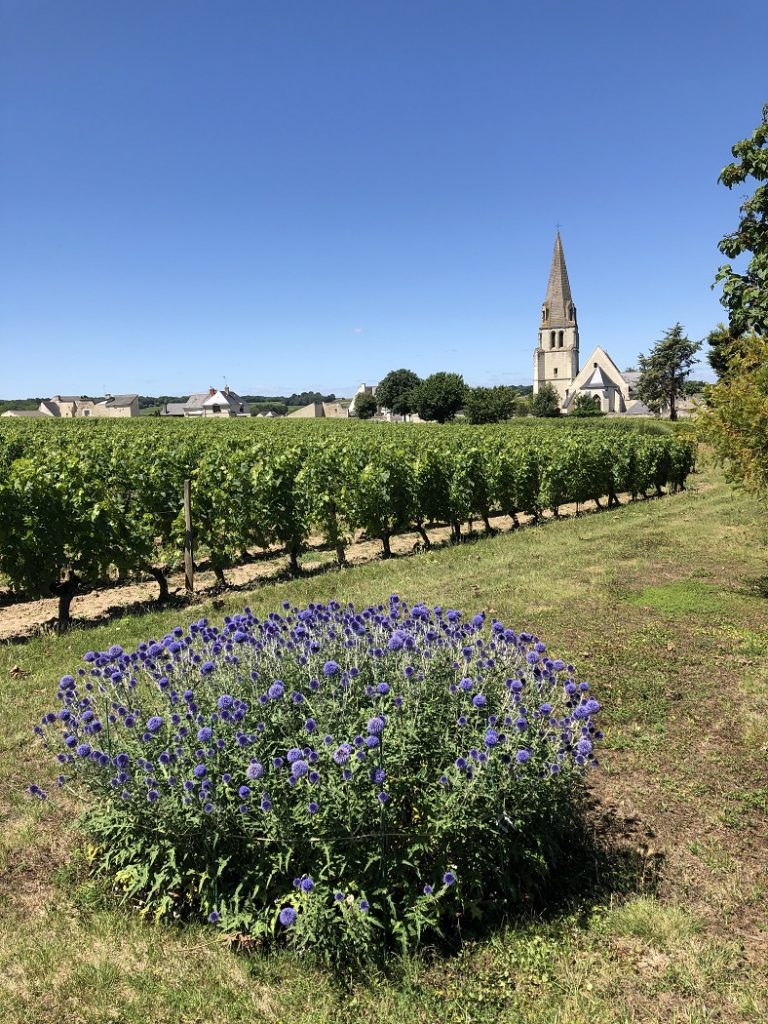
(555, 371)
(560, 339)
(552, 339)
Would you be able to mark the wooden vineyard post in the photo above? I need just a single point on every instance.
(189, 563)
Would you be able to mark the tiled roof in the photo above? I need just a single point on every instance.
(120, 401)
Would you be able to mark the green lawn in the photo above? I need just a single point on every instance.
(660, 605)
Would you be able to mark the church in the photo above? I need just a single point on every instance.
(556, 357)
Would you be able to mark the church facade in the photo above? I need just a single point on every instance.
(556, 357)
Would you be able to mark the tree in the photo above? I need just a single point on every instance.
(490, 405)
(735, 418)
(745, 296)
(663, 372)
(395, 391)
(586, 405)
(365, 406)
(440, 396)
(546, 401)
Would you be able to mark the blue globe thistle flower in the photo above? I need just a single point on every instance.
(276, 690)
(244, 792)
(364, 906)
(479, 700)
(199, 771)
(214, 917)
(330, 668)
(83, 749)
(382, 689)
(522, 756)
(346, 775)
(428, 890)
(155, 723)
(378, 775)
(449, 878)
(466, 685)
(206, 668)
(306, 884)
(288, 917)
(266, 803)
(382, 797)
(339, 896)
(313, 807)
(299, 769)
(310, 725)
(293, 755)
(376, 725)
(208, 808)
(584, 747)
(254, 770)
(152, 796)
(204, 734)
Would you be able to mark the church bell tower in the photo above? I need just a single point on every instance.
(556, 357)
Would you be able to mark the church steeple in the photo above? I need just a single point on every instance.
(558, 309)
(556, 360)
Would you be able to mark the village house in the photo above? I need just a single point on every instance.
(209, 404)
(73, 407)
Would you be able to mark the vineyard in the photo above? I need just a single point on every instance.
(81, 502)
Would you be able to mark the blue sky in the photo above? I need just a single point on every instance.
(302, 194)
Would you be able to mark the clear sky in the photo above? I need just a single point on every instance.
(305, 194)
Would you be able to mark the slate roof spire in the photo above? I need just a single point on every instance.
(558, 309)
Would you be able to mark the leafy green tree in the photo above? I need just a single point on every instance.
(440, 396)
(395, 391)
(546, 401)
(663, 372)
(490, 405)
(735, 418)
(745, 296)
(365, 406)
(586, 405)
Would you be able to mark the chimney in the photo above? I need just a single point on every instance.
(211, 392)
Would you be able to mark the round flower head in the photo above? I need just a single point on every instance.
(479, 700)
(330, 668)
(299, 768)
(428, 890)
(214, 917)
(306, 884)
(254, 770)
(276, 690)
(449, 878)
(376, 725)
(225, 702)
(288, 917)
(154, 723)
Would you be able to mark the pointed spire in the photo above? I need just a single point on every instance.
(559, 302)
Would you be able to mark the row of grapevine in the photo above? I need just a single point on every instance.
(80, 501)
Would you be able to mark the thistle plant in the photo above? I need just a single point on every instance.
(348, 781)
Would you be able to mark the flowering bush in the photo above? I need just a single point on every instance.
(350, 780)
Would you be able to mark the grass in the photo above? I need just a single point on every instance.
(660, 606)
